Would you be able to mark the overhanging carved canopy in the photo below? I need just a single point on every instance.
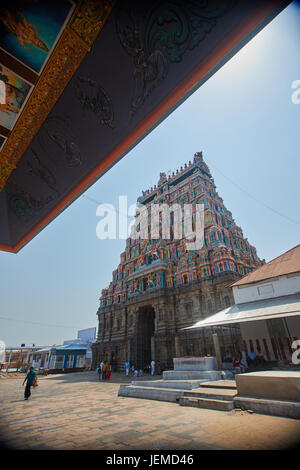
(78, 93)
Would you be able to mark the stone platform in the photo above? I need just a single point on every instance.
(177, 384)
(214, 397)
(188, 375)
(281, 384)
(194, 368)
(275, 393)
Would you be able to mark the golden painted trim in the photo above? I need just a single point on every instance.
(76, 40)
(90, 18)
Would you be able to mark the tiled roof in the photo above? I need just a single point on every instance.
(287, 263)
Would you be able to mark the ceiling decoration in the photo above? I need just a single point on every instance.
(43, 43)
(109, 73)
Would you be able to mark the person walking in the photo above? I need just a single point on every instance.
(104, 370)
(108, 372)
(30, 379)
(127, 367)
(152, 367)
(100, 369)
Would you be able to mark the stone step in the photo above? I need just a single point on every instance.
(212, 404)
(175, 384)
(225, 384)
(138, 390)
(273, 407)
(205, 375)
(213, 393)
(156, 393)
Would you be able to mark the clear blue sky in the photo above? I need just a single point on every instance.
(243, 120)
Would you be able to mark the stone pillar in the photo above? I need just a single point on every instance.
(128, 350)
(152, 348)
(156, 321)
(27, 359)
(196, 311)
(217, 350)
(9, 359)
(177, 346)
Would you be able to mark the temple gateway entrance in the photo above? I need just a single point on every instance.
(145, 331)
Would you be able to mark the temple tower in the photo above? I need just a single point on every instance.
(161, 287)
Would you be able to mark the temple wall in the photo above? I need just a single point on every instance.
(174, 309)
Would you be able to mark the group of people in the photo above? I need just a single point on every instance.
(241, 362)
(256, 359)
(104, 370)
(149, 368)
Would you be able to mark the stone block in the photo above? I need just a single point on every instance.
(159, 394)
(195, 363)
(180, 384)
(204, 375)
(208, 403)
(286, 409)
(281, 385)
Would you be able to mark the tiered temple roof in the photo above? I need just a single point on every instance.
(153, 263)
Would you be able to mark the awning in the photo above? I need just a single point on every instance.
(71, 347)
(38, 351)
(267, 309)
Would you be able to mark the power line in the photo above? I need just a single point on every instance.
(91, 199)
(251, 195)
(235, 184)
(36, 323)
(100, 203)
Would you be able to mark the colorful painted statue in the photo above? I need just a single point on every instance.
(150, 281)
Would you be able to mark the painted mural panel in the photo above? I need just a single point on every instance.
(30, 28)
(14, 91)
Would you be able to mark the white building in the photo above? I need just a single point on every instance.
(267, 307)
(84, 337)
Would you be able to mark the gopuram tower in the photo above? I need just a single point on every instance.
(160, 287)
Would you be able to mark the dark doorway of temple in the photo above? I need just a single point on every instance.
(145, 330)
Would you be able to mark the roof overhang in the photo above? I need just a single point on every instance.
(279, 307)
(97, 97)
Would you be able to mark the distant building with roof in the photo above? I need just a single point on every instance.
(267, 308)
(57, 359)
(85, 337)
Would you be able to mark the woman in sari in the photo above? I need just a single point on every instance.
(108, 373)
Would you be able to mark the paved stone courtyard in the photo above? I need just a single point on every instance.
(77, 411)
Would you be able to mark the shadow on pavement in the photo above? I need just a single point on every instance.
(93, 376)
